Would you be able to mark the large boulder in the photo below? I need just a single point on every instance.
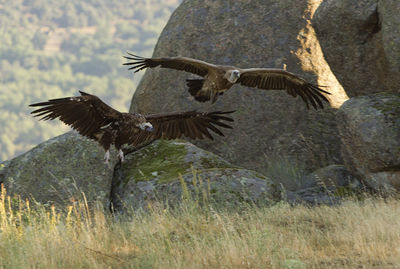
(361, 42)
(370, 132)
(327, 185)
(255, 33)
(390, 23)
(167, 171)
(60, 170)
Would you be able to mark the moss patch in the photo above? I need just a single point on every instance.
(209, 162)
(390, 107)
(162, 161)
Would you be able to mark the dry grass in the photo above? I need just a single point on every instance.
(354, 235)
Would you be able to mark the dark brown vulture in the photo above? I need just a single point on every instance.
(218, 78)
(93, 118)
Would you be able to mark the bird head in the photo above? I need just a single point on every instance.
(146, 126)
(234, 76)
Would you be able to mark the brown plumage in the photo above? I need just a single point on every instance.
(218, 78)
(93, 118)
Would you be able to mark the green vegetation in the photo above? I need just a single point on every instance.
(163, 158)
(53, 48)
(285, 173)
(354, 235)
(390, 107)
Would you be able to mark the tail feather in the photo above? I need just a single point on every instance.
(196, 90)
(194, 85)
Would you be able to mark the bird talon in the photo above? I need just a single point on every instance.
(121, 155)
(107, 157)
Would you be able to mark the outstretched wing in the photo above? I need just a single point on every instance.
(86, 113)
(195, 125)
(279, 79)
(190, 65)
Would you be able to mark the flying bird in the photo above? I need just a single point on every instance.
(94, 119)
(218, 78)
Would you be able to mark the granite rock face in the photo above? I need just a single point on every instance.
(60, 170)
(169, 171)
(327, 186)
(361, 42)
(248, 33)
(390, 24)
(370, 133)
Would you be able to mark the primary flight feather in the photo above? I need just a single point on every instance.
(218, 78)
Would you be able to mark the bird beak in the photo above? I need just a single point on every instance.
(146, 127)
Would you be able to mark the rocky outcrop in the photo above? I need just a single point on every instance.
(60, 169)
(361, 42)
(370, 133)
(328, 186)
(64, 168)
(388, 11)
(331, 178)
(166, 172)
(268, 124)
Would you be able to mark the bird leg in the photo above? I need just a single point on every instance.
(121, 155)
(107, 156)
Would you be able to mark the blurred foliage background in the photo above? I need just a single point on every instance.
(53, 48)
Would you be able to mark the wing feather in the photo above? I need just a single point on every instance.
(279, 79)
(195, 125)
(190, 65)
(85, 113)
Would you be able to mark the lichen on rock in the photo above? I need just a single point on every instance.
(157, 173)
(164, 160)
(370, 134)
(60, 170)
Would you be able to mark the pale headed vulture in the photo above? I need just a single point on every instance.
(218, 78)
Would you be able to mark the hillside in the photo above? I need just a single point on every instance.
(51, 49)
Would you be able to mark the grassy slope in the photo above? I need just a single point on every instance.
(355, 235)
